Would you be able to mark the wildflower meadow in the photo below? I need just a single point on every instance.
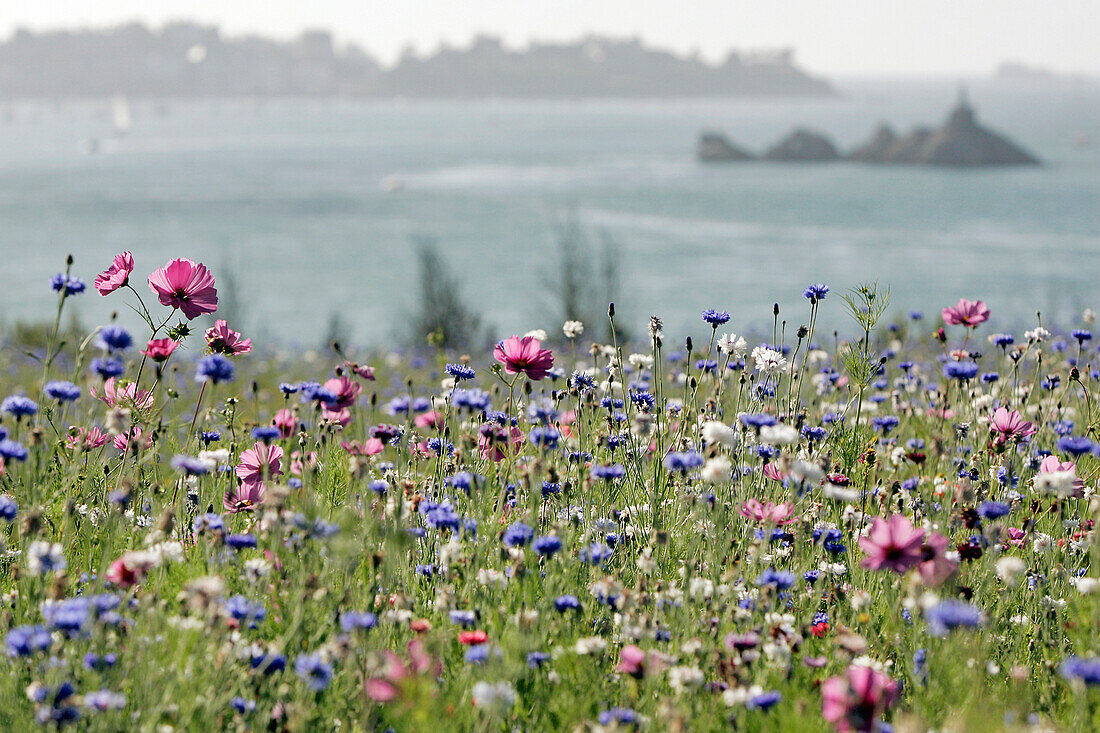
(883, 522)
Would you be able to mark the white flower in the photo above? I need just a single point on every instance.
(1086, 586)
(684, 678)
(572, 329)
(769, 361)
(640, 361)
(256, 568)
(733, 345)
(498, 697)
(1042, 543)
(43, 557)
(717, 470)
(778, 434)
(802, 472)
(1057, 483)
(718, 433)
(1038, 334)
(491, 578)
(590, 645)
(838, 493)
(1009, 569)
(538, 334)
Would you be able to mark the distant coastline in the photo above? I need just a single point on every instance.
(192, 60)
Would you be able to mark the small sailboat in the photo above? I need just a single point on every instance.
(121, 116)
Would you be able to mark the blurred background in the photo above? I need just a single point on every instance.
(373, 171)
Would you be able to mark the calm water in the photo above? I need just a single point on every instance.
(288, 196)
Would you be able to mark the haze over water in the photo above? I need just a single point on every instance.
(289, 197)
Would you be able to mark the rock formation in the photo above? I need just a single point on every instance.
(877, 148)
(714, 147)
(963, 142)
(802, 146)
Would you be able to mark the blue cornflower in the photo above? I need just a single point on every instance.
(214, 368)
(97, 662)
(190, 465)
(115, 338)
(1082, 335)
(537, 659)
(990, 377)
(781, 579)
(316, 672)
(596, 553)
(71, 285)
(1076, 446)
(287, 388)
(960, 370)
(757, 420)
(1082, 668)
(12, 451)
(764, 700)
(378, 486)
(477, 654)
(8, 508)
(208, 522)
(242, 706)
(683, 462)
(22, 641)
(463, 618)
(991, 510)
(813, 433)
(915, 315)
(549, 488)
(951, 614)
(1002, 339)
(19, 406)
(643, 400)
(242, 609)
(240, 541)
(544, 437)
(358, 621)
(268, 663)
(209, 436)
(547, 546)
(620, 716)
(608, 473)
(715, 318)
(460, 372)
(567, 603)
(266, 433)
(581, 382)
(815, 293)
(885, 423)
(518, 535)
(61, 391)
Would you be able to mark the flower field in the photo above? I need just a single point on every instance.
(879, 523)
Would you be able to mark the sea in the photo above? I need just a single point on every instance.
(308, 210)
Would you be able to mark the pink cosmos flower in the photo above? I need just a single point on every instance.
(388, 686)
(1016, 537)
(524, 355)
(126, 395)
(129, 569)
(363, 372)
(186, 285)
(160, 349)
(86, 439)
(892, 544)
(771, 470)
(636, 662)
(769, 513)
(1051, 464)
(934, 567)
(966, 313)
(254, 461)
(115, 276)
(287, 422)
(244, 498)
(338, 416)
(431, 419)
(493, 440)
(856, 700)
(299, 461)
(1006, 425)
(223, 340)
(372, 447)
(346, 392)
(136, 437)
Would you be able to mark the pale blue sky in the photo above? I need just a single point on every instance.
(829, 36)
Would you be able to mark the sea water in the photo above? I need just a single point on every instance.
(305, 208)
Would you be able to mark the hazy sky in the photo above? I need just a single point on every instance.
(829, 36)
